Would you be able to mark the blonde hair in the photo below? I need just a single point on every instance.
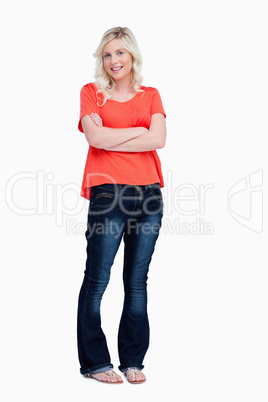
(104, 81)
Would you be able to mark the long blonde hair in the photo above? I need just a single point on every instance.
(104, 81)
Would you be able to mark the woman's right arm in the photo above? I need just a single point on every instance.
(105, 137)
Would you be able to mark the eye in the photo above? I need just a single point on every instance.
(106, 55)
(120, 52)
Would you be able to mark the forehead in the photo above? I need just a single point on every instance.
(112, 46)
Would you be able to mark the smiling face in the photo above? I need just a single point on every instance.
(117, 61)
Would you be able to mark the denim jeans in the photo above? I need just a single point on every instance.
(133, 213)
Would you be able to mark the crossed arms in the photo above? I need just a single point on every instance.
(134, 139)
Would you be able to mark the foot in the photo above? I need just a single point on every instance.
(109, 376)
(135, 376)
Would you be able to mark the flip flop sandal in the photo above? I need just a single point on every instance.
(110, 373)
(133, 371)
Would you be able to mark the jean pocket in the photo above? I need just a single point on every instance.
(102, 199)
(157, 194)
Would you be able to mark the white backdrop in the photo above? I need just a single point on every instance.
(208, 278)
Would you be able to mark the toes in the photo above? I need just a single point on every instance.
(143, 377)
(135, 376)
(107, 378)
(103, 377)
(139, 377)
(131, 377)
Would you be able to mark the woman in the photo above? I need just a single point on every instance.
(124, 124)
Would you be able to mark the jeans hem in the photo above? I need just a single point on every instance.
(94, 368)
(124, 367)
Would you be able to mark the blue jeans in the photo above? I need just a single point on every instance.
(133, 213)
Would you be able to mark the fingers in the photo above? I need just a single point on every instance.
(97, 119)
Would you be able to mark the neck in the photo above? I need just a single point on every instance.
(123, 85)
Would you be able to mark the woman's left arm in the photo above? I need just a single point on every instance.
(155, 137)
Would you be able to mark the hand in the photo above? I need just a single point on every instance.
(97, 119)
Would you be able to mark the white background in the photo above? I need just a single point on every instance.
(207, 292)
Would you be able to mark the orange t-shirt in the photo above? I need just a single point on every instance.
(136, 168)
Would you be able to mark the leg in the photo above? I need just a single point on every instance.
(133, 336)
(102, 246)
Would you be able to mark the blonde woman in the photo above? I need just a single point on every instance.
(124, 124)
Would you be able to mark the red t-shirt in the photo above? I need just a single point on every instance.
(136, 168)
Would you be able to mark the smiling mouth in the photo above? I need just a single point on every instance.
(116, 68)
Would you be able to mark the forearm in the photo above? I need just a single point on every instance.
(155, 138)
(146, 142)
(111, 137)
(106, 137)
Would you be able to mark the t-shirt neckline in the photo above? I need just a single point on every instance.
(114, 100)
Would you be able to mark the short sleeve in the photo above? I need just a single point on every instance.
(88, 103)
(157, 105)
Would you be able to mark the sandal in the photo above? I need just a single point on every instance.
(134, 372)
(109, 373)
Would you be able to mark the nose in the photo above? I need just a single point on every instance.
(114, 59)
